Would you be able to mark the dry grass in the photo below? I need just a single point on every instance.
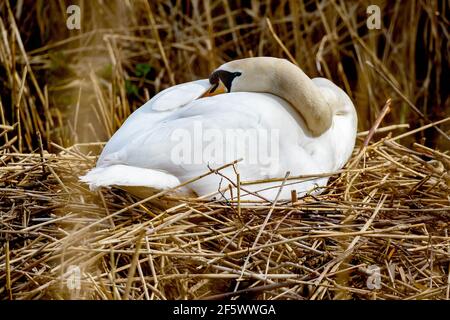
(388, 208)
(63, 92)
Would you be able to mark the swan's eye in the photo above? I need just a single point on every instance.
(226, 77)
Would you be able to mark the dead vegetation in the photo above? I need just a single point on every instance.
(64, 92)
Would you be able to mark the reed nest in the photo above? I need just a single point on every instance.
(388, 208)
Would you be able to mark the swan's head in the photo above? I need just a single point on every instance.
(281, 78)
(244, 75)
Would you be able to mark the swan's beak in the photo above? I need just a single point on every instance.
(215, 89)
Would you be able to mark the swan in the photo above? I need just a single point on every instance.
(264, 110)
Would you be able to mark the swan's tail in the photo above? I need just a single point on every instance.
(128, 176)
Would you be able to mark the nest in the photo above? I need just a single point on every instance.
(378, 231)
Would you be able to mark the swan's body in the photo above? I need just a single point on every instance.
(142, 154)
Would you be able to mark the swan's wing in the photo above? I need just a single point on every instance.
(159, 148)
(180, 95)
(153, 111)
(176, 96)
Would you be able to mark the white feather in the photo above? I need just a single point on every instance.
(122, 175)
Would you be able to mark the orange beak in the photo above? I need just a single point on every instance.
(215, 89)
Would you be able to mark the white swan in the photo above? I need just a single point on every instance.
(271, 114)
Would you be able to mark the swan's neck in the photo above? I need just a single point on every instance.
(287, 81)
(293, 85)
